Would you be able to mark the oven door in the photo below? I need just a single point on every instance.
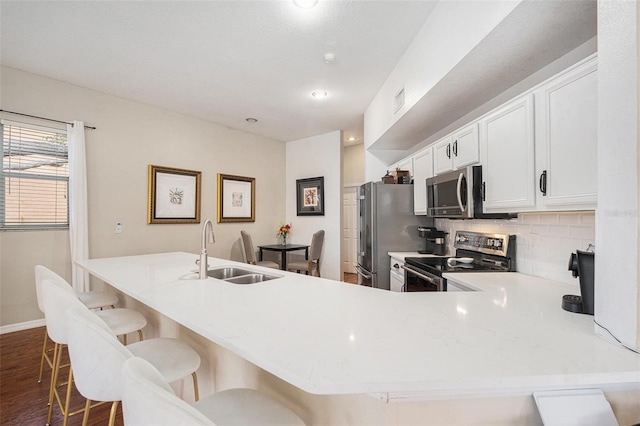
(418, 280)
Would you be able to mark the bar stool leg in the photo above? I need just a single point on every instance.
(195, 386)
(87, 407)
(44, 354)
(112, 413)
(54, 378)
(67, 401)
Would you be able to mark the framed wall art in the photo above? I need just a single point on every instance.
(236, 198)
(310, 196)
(174, 195)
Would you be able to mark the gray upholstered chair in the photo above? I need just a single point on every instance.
(313, 263)
(250, 252)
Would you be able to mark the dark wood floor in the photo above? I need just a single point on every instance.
(350, 278)
(23, 401)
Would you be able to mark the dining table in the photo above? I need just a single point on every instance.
(284, 249)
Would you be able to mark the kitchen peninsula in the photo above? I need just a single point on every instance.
(328, 338)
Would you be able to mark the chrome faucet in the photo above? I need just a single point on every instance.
(203, 262)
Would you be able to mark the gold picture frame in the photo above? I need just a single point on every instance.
(174, 195)
(236, 198)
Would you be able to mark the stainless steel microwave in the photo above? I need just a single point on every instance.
(459, 195)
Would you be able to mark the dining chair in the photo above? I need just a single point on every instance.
(97, 357)
(250, 252)
(91, 299)
(315, 251)
(149, 400)
(57, 296)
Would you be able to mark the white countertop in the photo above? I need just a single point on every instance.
(329, 337)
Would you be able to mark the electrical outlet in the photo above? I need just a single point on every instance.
(118, 228)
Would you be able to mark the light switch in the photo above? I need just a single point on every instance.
(118, 228)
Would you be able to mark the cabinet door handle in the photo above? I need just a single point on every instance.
(448, 150)
(543, 183)
(455, 148)
(484, 191)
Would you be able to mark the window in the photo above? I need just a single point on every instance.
(34, 184)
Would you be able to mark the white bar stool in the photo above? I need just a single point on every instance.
(149, 400)
(92, 299)
(57, 296)
(97, 357)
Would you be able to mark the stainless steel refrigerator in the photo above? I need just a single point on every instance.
(385, 223)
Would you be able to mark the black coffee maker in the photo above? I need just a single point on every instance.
(436, 241)
(581, 264)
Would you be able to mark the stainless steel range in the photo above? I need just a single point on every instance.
(475, 252)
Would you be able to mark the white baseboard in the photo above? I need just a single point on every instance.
(21, 326)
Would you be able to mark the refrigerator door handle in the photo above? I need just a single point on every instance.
(361, 271)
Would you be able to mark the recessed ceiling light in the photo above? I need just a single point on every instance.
(305, 4)
(329, 58)
(352, 139)
(319, 94)
(251, 120)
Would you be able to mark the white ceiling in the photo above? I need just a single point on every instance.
(222, 61)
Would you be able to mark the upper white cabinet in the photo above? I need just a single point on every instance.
(406, 164)
(507, 147)
(538, 151)
(456, 151)
(442, 161)
(423, 169)
(559, 170)
(465, 146)
(566, 139)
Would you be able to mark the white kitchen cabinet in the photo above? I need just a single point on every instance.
(457, 150)
(566, 139)
(422, 169)
(396, 275)
(442, 162)
(404, 164)
(508, 157)
(559, 170)
(453, 285)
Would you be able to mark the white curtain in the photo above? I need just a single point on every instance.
(78, 217)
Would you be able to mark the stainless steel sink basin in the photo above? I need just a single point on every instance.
(229, 272)
(240, 275)
(251, 279)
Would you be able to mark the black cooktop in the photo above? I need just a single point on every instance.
(439, 265)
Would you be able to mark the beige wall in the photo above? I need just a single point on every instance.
(129, 137)
(353, 168)
(316, 156)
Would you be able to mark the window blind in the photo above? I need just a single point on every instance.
(34, 183)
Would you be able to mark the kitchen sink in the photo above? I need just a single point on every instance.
(251, 279)
(240, 275)
(228, 272)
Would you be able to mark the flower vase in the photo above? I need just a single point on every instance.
(284, 240)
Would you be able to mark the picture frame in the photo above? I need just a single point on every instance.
(173, 195)
(236, 198)
(310, 196)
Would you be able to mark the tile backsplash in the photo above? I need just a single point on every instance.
(544, 240)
